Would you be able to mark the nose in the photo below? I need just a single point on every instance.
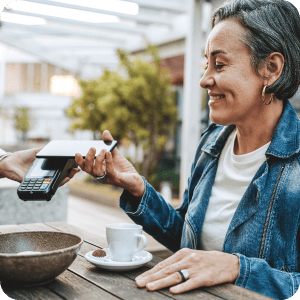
(207, 80)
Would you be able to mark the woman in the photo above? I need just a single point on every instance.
(240, 214)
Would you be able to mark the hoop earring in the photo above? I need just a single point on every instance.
(263, 94)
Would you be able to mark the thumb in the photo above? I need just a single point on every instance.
(106, 136)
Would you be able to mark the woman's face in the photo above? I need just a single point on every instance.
(232, 83)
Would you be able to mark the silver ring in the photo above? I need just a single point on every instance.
(103, 178)
(184, 275)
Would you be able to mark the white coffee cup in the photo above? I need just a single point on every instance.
(123, 240)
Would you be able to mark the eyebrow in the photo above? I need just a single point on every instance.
(217, 52)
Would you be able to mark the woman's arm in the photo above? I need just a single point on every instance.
(208, 268)
(257, 275)
(139, 200)
(157, 217)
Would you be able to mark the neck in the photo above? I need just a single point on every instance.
(258, 129)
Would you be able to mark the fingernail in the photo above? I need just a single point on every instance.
(150, 286)
(140, 281)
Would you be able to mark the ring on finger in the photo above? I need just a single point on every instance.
(103, 178)
(184, 275)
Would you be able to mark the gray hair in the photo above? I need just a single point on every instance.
(271, 26)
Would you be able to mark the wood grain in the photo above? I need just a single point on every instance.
(84, 281)
(71, 286)
(30, 293)
(224, 291)
(88, 237)
(115, 283)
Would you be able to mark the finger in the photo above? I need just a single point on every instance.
(98, 166)
(71, 175)
(66, 180)
(89, 161)
(170, 260)
(106, 136)
(188, 285)
(163, 273)
(109, 163)
(73, 172)
(173, 279)
(37, 150)
(79, 161)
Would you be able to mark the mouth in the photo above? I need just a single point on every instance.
(216, 97)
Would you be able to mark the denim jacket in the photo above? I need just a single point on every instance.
(263, 232)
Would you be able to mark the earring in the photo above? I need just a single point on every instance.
(263, 94)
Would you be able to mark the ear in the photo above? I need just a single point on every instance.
(273, 68)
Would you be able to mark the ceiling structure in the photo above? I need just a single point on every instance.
(81, 35)
(84, 40)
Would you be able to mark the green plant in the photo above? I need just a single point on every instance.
(139, 105)
(22, 121)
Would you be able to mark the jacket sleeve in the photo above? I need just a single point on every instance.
(257, 275)
(157, 217)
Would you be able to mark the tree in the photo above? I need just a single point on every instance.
(22, 121)
(139, 105)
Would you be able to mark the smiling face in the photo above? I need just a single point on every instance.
(232, 83)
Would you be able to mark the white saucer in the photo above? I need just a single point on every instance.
(106, 262)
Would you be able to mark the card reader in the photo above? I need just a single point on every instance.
(44, 177)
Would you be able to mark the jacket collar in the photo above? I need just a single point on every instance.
(285, 140)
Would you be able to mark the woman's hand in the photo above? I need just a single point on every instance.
(205, 268)
(120, 172)
(17, 165)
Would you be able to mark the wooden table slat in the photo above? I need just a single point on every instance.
(113, 282)
(74, 287)
(11, 228)
(34, 293)
(88, 237)
(229, 291)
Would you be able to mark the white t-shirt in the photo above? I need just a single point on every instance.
(234, 175)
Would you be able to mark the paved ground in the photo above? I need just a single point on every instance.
(94, 217)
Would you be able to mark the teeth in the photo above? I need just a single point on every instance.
(217, 97)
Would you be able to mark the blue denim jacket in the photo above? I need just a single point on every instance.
(263, 232)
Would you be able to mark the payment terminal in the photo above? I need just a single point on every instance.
(53, 164)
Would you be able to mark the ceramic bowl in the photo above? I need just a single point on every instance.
(53, 253)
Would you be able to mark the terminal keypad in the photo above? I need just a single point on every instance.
(35, 184)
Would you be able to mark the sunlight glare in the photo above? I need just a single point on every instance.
(18, 19)
(112, 5)
(62, 12)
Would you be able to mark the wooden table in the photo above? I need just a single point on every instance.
(84, 281)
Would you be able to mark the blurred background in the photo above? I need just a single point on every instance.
(70, 69)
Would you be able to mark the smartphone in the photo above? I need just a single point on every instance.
(68, 149)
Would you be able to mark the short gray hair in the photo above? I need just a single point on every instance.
(271, 26)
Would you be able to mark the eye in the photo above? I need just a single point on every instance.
(218, 67)
(206, 66)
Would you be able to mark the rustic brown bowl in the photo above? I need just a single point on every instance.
(58, 251)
